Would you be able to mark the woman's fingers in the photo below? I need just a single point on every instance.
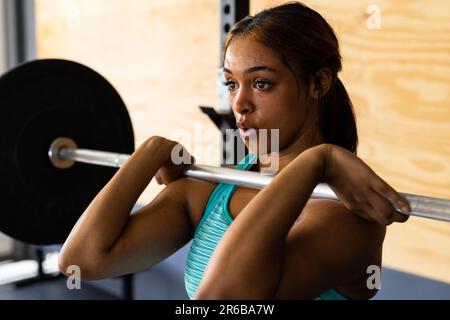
(399, 203)
(174, 167)
(373, 206)
(158, 179)
(366, 213)
(361, 189)
(358, 204)
(382, 211)
(391, 204)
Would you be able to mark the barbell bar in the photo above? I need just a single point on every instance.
(63, 153)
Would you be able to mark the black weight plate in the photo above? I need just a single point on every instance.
(40, 101)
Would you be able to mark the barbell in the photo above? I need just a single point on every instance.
(51, 106)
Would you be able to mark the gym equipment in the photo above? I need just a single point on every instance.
(48, 108)
(40, 101)
(64, 152)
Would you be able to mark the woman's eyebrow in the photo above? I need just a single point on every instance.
(252, 69)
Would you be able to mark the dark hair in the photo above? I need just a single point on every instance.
(306, 43)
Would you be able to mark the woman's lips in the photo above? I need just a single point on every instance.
(247, 132)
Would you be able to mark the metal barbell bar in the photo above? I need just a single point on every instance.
(63, 153)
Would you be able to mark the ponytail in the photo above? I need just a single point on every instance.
(336, 118)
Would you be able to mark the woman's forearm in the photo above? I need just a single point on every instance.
(248, 259)
(104, 219)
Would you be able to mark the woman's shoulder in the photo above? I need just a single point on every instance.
(340, 234)
(349, 243)
(197, 193)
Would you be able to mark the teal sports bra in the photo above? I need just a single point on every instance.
(215, 221)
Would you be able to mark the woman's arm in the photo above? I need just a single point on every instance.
(107, 240)
(252, 247)
(250, 254)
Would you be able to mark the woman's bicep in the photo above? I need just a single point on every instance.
(152, 233)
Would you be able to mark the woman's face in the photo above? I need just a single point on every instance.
(263, 93)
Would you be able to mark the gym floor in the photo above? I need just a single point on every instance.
(165, 281)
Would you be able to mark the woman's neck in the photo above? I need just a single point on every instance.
(307, 139)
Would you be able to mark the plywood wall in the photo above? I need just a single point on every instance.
(162, 58)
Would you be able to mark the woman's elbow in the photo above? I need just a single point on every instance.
(73, 266)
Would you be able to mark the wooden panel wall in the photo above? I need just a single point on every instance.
(162, 58)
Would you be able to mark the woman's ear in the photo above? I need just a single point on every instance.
(324, 77)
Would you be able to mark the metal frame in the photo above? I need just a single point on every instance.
(19, 28)
(3, 67)
(231, 11)
(18, 45)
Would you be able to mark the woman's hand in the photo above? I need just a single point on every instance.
(361, 189)
(177, 159)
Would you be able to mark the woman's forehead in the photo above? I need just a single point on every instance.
(243, 53)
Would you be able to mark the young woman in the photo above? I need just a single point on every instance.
(281, 68)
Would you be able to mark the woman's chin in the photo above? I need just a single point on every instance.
(255, 148)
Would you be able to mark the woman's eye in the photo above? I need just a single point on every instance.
(230, 85)
(262, 85)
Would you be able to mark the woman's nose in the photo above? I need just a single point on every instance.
(242, 103)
